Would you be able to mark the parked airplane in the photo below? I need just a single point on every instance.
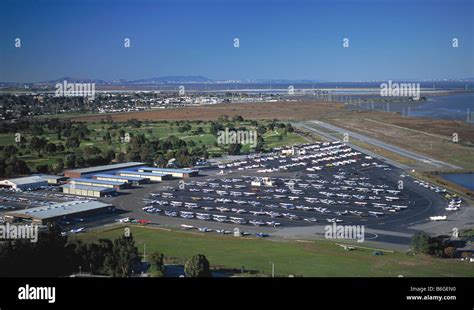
(334, 220)
(256, 222)
(204, 229)
(238, 220)
(438, 218)
(76, 230)
(219, 218)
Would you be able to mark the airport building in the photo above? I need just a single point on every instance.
(26, 183)
(53, 179)
(79, 173)
(59, 211)
(152, 177)
(100, 183)
(117, 178)
(175, 173)
(88, 191)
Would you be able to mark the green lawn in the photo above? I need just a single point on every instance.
(315, 258)
(152, 130)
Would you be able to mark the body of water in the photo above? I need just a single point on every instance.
(465, 180)
(456, 106)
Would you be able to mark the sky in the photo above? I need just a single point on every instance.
(283, 39)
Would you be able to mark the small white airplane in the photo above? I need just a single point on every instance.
(438, 218)
(222, 231)
(124, 220)
(220, 218)
(374, 213)
(76, 230)
(334, 220)
(452, 208)
(237, 220)
(187, 215)
(203, 216)
(187, 227)
(256, 223)
(204, 229)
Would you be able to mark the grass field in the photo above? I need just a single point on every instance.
(310, 258)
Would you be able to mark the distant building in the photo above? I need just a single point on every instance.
(26, 183)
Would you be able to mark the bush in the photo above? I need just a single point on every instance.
(197, 267)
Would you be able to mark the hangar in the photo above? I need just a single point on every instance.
(59, 211)
(118, 178)
(88, 191)
(176, 173)
(155, 177)
(26, 183)
(99, 183)
(53, 179)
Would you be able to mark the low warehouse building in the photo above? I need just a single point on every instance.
(99, 183)
(153, 177)
(27, 183)
(117, 178)
(88, 191)
(176, 173)
(53, 179)
(59, 211)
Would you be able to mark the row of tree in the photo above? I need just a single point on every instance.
(439, 246)
(54, 256)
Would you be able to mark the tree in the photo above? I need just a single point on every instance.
(234, 149)
(38, 144)
(126, 255)
(107, 137)
(449, 251)
(420, 242)
(157, 265)
(197, 267)
(73, 143)
(42, 168)
(70, 161)
(51, 148)
(423, 243)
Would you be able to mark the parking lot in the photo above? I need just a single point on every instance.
(311, 186)
(324, 183)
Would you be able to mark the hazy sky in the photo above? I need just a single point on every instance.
(279, 40)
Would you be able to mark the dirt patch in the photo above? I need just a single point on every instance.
(268, 110)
